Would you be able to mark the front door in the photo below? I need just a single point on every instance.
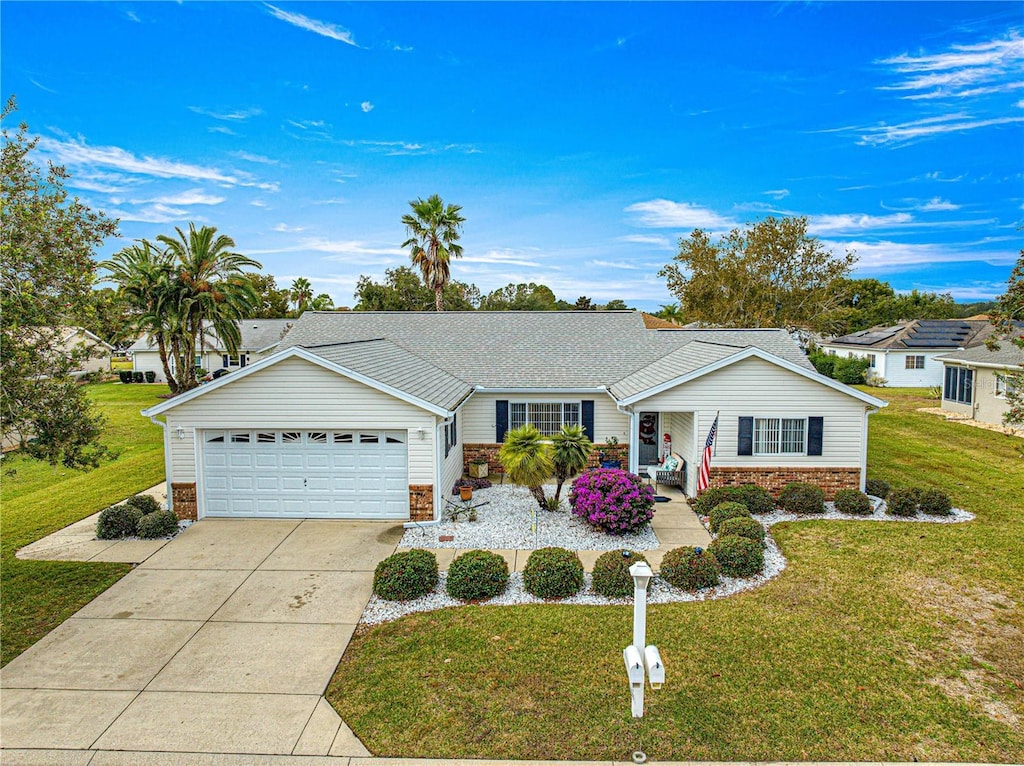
(647, 451)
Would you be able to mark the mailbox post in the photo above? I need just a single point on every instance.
(638, 656)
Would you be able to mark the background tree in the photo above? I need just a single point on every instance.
(521, 297)
(403, 290)
(322, 302)
(1008, 318)
(46, 276)
(273, 302)
(766, 274)
(671, 312)
(301, 294)
(583, 303)
(616, 304)
(109, 317)
(434, 230)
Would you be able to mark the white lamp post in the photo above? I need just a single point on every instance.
(638, 656)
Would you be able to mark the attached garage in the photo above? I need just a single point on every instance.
(335, 474)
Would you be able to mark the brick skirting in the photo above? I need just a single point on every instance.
(489, 452)
(183, 500)
(421, 502)
(774, 479)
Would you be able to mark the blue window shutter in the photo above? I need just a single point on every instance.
(500, 420)
(815, 430)
(745, 443)
(241, 359)
(587, 416)
(224, 357)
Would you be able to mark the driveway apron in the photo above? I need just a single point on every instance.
(222, 641)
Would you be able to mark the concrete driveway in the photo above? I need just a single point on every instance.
(223, 641)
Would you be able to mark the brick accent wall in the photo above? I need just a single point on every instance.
(183, 500)
(774, 479)
(421, 502)
(489, 452)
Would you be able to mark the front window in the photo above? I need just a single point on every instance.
(914, 363)
(546, 417)
(871, 360)
(233, 361)
(958, 386)
(780, 436)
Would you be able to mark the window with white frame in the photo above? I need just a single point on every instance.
(232, 361)
(871, 360)
(913, 363)
(1004, 385)
(546, 417)
(780, 436)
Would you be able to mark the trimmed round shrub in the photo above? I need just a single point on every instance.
(477, 576)
(138, 376)
(757, 499)
(150, 376)
(145, 503)
(406, 575)
(744, 526)
(617, 501)
(798, 497)
(853, 501)
(727, 510)
(158, 524)
(935, 502)
(709, 498)
(125, 376)
(553, 573)
(690, 568)
(611, 575)
(902, 501)
(877, 487)
(739, 556)
(118, 521)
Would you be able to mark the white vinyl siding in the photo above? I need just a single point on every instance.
(477, 415)
(452, 466)
(296, 395)
(754, 387)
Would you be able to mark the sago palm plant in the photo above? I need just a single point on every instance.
(526, 458)
(570, 452)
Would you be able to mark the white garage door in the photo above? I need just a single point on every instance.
(352, 474)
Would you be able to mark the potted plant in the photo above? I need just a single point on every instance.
(478, 468)
(465, 493)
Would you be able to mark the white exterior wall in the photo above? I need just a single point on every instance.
(477, 415)
(754, 387)
(296, 394)
(451, 466)
(148, 360)
(890, 365)
(988, 407)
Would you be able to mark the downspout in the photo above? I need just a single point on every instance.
(167, 460)
(634, 457)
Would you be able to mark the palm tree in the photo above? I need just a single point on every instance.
(570, 451)
(434, 231)
(671, 312)
(301, 294)
(212, 292)
(526, 459)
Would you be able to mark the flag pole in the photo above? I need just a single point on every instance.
(714, 447)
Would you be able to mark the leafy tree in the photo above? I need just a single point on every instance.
(434, 230)
(868, 303)
(109, 317)
(322, 302)
(570, 452)
(526, 458)
(1007, 317)
(301, 294)
(766, 274)
(46, 275)
(521, 297)
(402, 290)
(616, 304)
(583, 303)
(273, 302)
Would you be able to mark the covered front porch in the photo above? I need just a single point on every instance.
(658, 433)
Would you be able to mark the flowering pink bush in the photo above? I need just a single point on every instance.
(613, 500)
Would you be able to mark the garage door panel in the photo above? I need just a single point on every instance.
(241, 483)
(268, 460)
(292, 460)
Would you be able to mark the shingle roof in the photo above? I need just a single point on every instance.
(257, 334)
(1008, 355)
(924, 334)
(692, 356)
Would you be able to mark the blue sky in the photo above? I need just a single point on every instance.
(582, 140)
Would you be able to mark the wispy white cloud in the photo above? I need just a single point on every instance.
(152, 214)
(935, 204)
(777, 194)
(234, 115)
(307, 124)
(337, 249)
(133, 16)
(505, 257)
(882, 255)
(628, 266)
(854, 222)
(191, 197)
(221, 129)
(41, 86)
(331, 201)
(366, 106)
(905, 132)
(248, 157)
(283, 227)
(322, 28)
(663, 213)
(662, 243)
(259, 203)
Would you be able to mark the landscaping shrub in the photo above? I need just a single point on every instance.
(877, 487)
(158, 524)
(613, 500)
(853, 501)
(727, 510)
(150, 376)
(138, 376)
(118, 521)
(125, 376)
(406, 575)
(823, 363)
(611, 573)
(553, 573)
(690, 568)
(757, 499)
(852, 370)
(739, 556)
(474, 483)
(709, 498)
(744, 526)
(798, 497)
(476, 576)
(935, 502)
(902, 501)
(145, 503)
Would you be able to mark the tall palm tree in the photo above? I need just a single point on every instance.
(671, 312)
(213, 292)
(526, 459)
(301, 294)
(434, 230)
(570, 451)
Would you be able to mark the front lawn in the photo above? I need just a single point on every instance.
(894, 641)
(37, 499)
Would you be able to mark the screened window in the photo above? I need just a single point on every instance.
(914, 363)
(546, 417)
(780, 436)
(958, 385)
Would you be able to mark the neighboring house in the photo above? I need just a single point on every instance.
(905, 354)
(94, 351)
(974, 382)
(259, 337)
(376, 415)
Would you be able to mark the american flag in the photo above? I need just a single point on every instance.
(705, 462)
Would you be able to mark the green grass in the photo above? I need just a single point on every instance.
(879, 641)
(37, 499)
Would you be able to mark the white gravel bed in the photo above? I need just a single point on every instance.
(504, 523)
(957, 515)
